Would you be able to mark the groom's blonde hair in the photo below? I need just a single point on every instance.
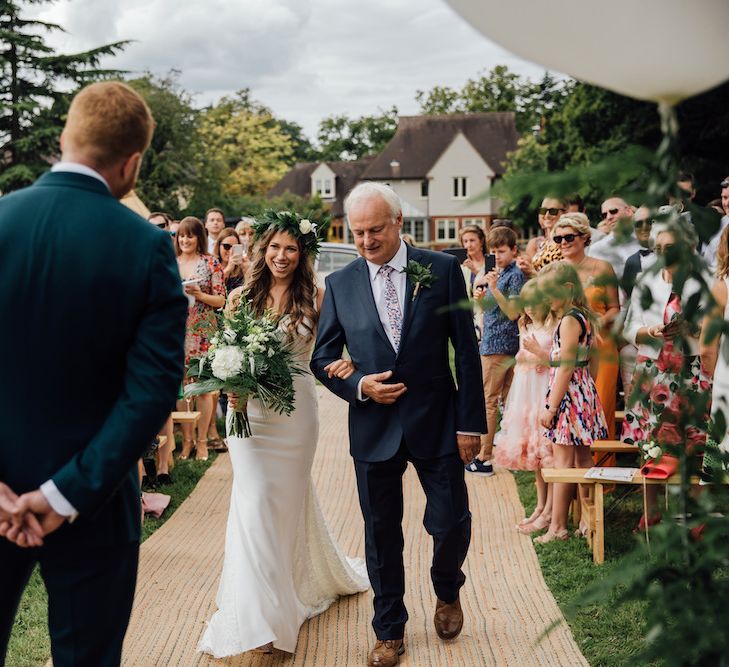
(367, 190)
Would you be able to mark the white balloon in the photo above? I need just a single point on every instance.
(659, 50)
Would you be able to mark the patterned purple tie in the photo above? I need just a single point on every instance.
(394, 314)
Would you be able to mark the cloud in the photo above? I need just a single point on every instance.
(306, 59)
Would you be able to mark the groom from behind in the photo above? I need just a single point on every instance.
(93, 340)
(396, 310)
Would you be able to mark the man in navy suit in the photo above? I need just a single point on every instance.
(404, 404)
(94, 328)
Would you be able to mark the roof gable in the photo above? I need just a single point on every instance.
(420, 141)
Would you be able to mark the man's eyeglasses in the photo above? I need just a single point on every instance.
(568, 238)
(611, 211)
(551, 211)
(647, 223)
(171, 232)
(227, 246)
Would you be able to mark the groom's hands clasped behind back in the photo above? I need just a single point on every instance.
(26, 519)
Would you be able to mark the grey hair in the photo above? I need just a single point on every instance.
(369, 189)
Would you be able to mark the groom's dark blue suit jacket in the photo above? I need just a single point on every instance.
(432, 409)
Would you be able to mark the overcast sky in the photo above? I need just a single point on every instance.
(305, 59)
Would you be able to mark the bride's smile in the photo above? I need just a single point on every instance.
(282, 255)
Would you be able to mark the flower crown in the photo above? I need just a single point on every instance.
(309, 232)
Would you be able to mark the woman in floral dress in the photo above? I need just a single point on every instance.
(668, 360)
(202, 278)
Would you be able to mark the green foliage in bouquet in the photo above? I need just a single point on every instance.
(251, 357)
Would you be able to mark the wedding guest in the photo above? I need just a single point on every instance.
(710, 250)
(214, 224)
(668, 356)
(714, 362)
(473, 239)
(500, 338)
(160, 220)
(540, 250)
(234, 265)
(613, 248)
(203, 281)
(572, 234)
(572, 416)
(520, 443)
(245, 232)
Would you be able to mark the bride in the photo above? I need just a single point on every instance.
(281, 564)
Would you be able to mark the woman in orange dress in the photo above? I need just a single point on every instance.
(572, 234)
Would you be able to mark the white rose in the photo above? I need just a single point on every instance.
(655, 452)
(227, 362)
(229, 336)
(305, 227)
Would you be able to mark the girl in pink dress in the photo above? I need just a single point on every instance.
(520, 443)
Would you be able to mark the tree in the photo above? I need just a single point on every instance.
(173, 169)
(34, 91)
(245, 147)
(498, 90)
(344, 138)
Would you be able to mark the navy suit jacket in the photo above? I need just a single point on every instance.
(92, 335)
(432, 409)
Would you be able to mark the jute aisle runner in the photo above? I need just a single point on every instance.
(505, 600)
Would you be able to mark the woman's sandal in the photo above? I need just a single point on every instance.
(531, 519)
(187, 445)
(540, 523)
(202, 444)
(582, 530)
(549, 536)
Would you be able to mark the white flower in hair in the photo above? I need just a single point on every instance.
(227, 362)
(305, 227)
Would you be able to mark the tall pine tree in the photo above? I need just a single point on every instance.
(36, 85)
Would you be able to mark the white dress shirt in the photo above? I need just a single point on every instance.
(399, 279)
(76, 168)
(614, 252)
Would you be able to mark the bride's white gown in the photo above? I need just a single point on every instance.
(281, 564)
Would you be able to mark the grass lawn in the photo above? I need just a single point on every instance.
(29, 643)
(607, 636)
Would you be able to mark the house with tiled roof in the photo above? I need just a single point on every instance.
(442, 167)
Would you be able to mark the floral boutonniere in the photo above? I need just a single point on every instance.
(419, 275)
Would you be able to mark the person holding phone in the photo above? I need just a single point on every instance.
(230, 254)
(500, 336)
(202, 279)
(668, 356)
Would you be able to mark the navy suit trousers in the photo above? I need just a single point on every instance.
(447, 519)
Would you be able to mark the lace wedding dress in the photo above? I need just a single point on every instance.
(281, 564)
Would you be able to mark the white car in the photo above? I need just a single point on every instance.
(333, 256)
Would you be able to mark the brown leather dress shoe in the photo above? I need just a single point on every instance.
(448, 619)
(386, 653)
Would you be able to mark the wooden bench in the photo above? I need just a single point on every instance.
(593, 506)
(186, 417)
(607, 447)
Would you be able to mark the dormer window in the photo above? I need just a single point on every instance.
(324, 187)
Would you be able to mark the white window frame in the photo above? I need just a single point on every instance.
(415, 227)
(449, 227)
(471, 222)
(324, 187)
(459, 187)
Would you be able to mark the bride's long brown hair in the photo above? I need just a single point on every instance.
(300, 304)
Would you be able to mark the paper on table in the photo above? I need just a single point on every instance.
(612, 474)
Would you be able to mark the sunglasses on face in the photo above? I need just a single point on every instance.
(160, 225)
(568, 238)
(551, 211)
(172, 233)
(642, 224)
(663, 249)
(611, 211)
(227, 246)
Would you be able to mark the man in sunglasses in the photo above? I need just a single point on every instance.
(611, 248)
(159, 219)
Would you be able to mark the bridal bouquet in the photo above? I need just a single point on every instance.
(251, 358)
